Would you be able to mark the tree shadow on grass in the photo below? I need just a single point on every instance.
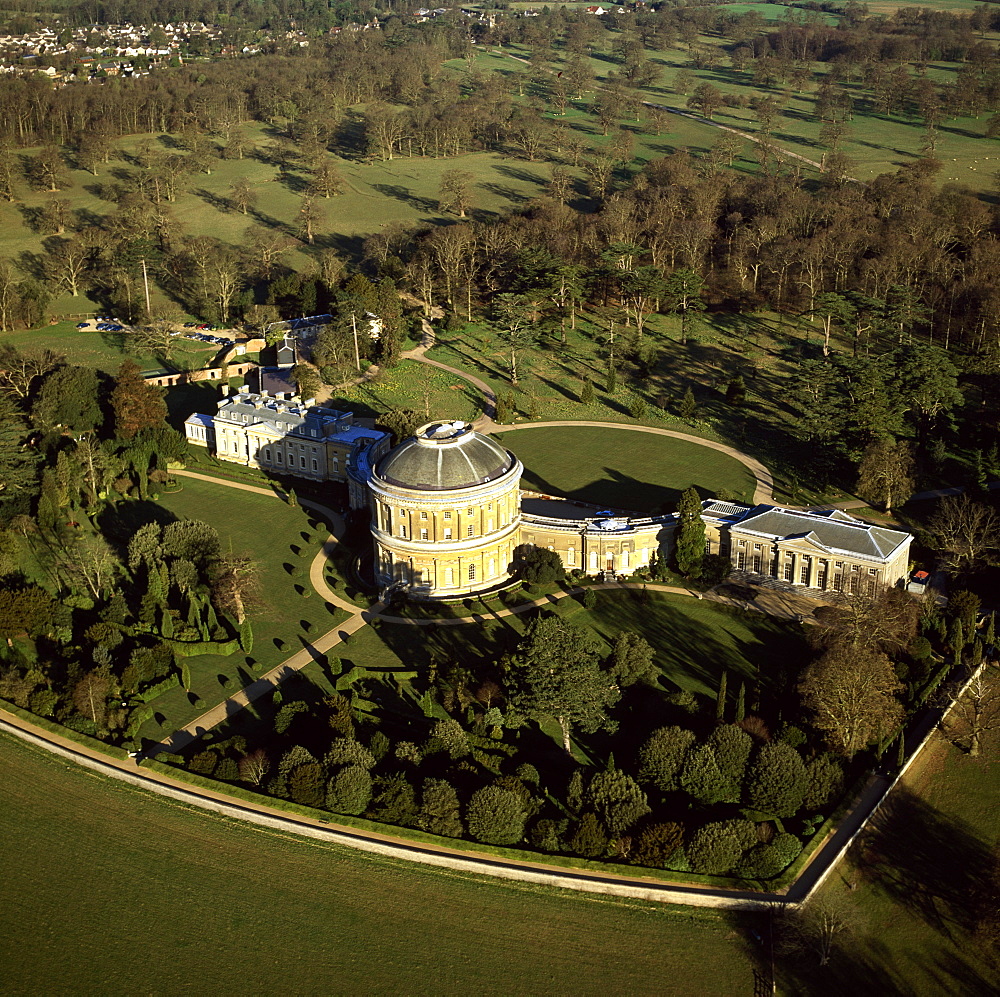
(407, 196)
(931, 863)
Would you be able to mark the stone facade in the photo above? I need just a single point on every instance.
(445, 511)
(284, 435)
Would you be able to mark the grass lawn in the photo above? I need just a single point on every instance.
(623, 469)
(912, 878)
(693, 640)
(104, 350)
(110, 889)
(276, 535)
(411, 385)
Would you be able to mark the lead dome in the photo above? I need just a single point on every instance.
(442, 456)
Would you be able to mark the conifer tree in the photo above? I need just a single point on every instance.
(741, 702)
(689, 550)
(720, 699)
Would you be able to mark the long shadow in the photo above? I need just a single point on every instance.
(930, 863)
(407, 197)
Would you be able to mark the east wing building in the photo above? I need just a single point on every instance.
(447, 513)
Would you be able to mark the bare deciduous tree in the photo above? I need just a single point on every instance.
(254, 767)
(964, 532)
(975, 713)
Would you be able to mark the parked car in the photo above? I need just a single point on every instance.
(82, 325)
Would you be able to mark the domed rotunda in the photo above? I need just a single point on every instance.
(445, 512)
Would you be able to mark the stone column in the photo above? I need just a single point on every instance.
(813, 571)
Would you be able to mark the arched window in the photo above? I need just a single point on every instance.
(472, 572)
(493, 568)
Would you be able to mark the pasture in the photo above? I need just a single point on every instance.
(109, 888)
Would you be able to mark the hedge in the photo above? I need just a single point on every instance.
(66, 732)
(159, 688)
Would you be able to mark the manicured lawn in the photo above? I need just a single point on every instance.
(623, 469)
(693, 640)
(283, 621)
(110, 889)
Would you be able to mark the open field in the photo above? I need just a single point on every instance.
(109, 889)
(622, 469)
(912, 885)
(284, 620)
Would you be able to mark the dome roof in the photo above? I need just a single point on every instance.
(444, 455)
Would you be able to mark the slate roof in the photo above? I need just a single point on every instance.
(832, 529)
(284, 418)
(442, 456)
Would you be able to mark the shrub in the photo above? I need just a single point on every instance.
(305, 785)
(394, 801)
(347, 751)
(589, 599)
(228, 770)
(777, 781)
(589, 839)
(204, 763)
(684, 700)
(824, 782)
(702, 779)
(349, 791)
(496, 816)
(439, 809)
(732, 749)
(662, 757)
(449, 735)
(43, 703)
(656, 844)
(765, 861)
(618, 801)
(287, 713)
(538, 565)
(547, 834)
(379, 746)
(717, 848)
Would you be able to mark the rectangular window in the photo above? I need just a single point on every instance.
(315, 464)
(756, 563)
(447, 533)
(756, 546)
(469, 530)
(423, 515)
(281, 457)
(788, 571)
(472, 572)
(449, 576)
(470, 512)
(708, 546)
(804, 574)
(571, 557)
(423, 534)
(873, 571)
(402, 531)
(447, 515)
(741, 560)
